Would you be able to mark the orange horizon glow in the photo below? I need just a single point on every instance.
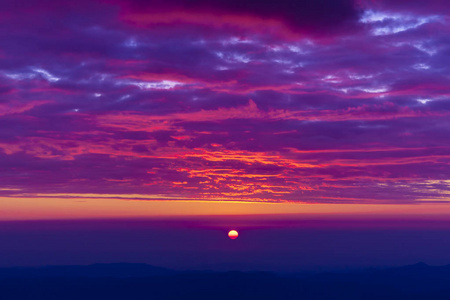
(51, 208)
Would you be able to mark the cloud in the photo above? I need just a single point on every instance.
(324, 101)
(413, 6)
(304, 16)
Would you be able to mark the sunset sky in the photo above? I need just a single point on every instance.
(134, 109)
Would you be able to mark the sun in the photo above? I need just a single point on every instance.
(233, 234)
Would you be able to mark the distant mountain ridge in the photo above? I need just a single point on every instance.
(141, 281)
(418, 277)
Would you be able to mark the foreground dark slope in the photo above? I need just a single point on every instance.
(412, 282)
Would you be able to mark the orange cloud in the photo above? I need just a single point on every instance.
(139, 122)
(15, 107)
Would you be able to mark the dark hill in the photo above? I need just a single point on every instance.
(140, 281)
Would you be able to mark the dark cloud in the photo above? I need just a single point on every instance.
(316, 16)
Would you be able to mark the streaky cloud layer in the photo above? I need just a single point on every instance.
(292, 101)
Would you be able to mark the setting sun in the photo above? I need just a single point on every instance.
(233, 234)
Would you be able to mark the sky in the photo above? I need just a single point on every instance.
(331, 102)
(130, 109)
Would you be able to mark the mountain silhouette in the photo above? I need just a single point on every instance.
(141, 281)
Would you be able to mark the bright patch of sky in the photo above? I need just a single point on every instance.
(423, 101)
(158, 85)
(421, 66)
(391, 23)
(375, 90)
(46, 75)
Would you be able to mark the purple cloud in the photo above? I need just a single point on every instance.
(324, 102)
